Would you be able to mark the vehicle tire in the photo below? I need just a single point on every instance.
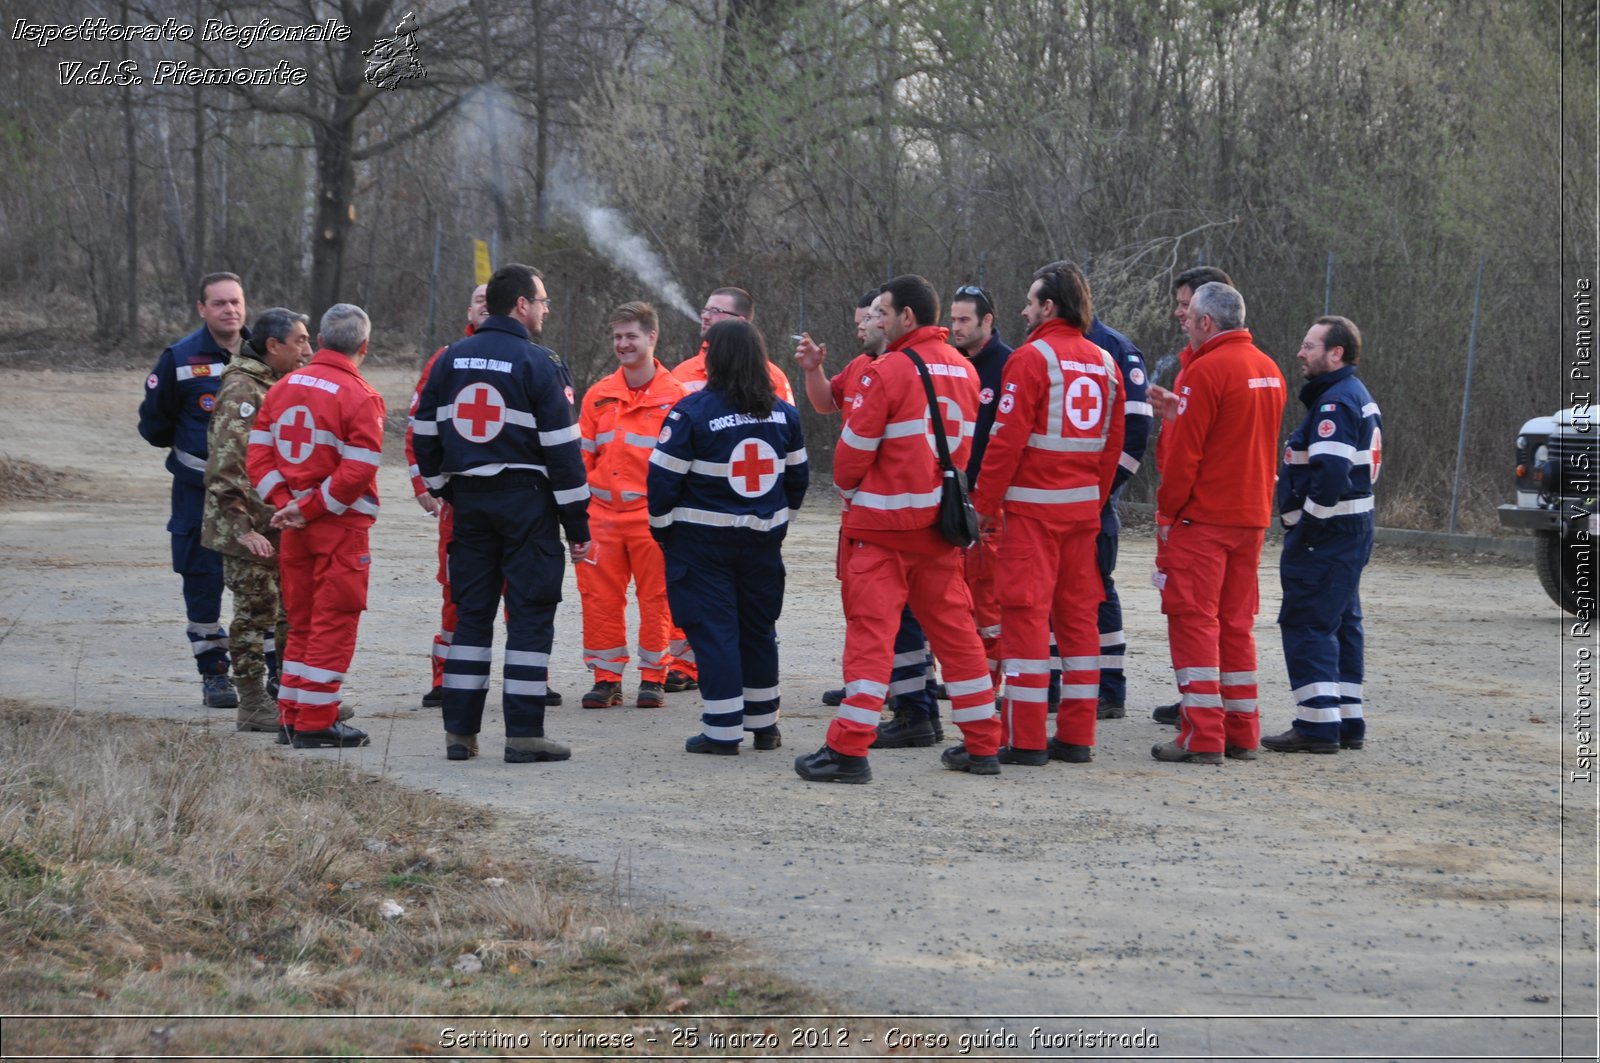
(1557, 561)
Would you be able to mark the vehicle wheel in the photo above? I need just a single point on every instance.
(1558, 560)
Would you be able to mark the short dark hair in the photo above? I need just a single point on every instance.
(212, 278)
(1194, 277)
(911, 292)
(867, 299)
(743, 304)
(736, 365)
(977, 295)
(509, 283)
(639, 311)
(274, 324)
(1342, 332)
(1063, 283)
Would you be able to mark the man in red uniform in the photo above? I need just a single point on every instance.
(619, 421)
(1219, 457)
(1048, 469)
(886, 465)
(314, 456)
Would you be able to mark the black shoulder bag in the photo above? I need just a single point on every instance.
(958, 521)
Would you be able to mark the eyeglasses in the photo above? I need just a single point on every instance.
(712, 310)
(545, 299)
(972, 291)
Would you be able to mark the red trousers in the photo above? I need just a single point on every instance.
(1047, 572)
(447, 613)
(1210, 597)
(625, 551)
(323, 571)
(979, 567)
(879, 583)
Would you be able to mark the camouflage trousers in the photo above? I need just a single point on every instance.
(259, 623)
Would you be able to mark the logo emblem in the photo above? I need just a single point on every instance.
(1377, 453)
(208, 402)
(950, 415)
(754, 468)
(246, 409)
(666, 433)
(479, 413)
(1008, 402)
(152, 382)
(1136, 375)
(203, 369)
(295, 434)
(1084, 404)
(986, 396)
(1325, 428)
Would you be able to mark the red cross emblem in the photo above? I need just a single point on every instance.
(952, 423)
(1083, 403)
(295, 433)
(480, 413)
(1377, 453)
(754, 469)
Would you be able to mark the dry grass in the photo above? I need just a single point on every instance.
(150, 869)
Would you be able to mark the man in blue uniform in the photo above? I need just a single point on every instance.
(179, 396)
(1325, 500)
(494, 436)
(1113, 643)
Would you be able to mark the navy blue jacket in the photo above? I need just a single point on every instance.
(1332, 458)
(179, 395)
(1137, 389)
(720, 475)
(990, 362)
(497, 402)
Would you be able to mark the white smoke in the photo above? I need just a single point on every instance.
(611, 235)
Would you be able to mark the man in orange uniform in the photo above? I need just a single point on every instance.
(1218, 461)
(1057, 436)
(620, 419)
(721, 305)
(886, 465)
(314, 456)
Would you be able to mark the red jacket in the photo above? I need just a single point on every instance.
(692, 371)
(619, 427)
(319, 440)
(886, 464)
(1219, 457)
(1058, 430)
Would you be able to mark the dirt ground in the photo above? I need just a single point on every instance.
(1432, 894)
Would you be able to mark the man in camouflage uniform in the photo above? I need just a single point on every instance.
(237, 524)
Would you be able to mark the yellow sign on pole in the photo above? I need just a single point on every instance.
(480, 262)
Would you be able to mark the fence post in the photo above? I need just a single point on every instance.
(1327, 289)
(1466, 396)
(433, 279)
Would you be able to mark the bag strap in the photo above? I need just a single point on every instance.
(934, 415)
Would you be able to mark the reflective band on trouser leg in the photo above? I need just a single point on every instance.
(1074, 619)
(939, 598)
(1315, 593)
(1352, 671)
(979, 570)
(760, 596)
(1024, 579)
(650, 585)
(707, 597)
(447, 608)
(201, 570)
(908, 680)
(874, 594)
(603, 586)
(1113, 641)
(295, 583)
(1236, 617)
(441, 653)
(1193, 560)
(680, 655)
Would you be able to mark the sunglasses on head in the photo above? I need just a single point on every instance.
(972, 291)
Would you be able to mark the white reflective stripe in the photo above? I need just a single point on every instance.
(314, 675)
(1056, 443)
(1350, 690)
(1138, 409)
(1370, 410)
(535, 687)
(441, 651)
(601, 493)
(1202, 701)
(1315, 690)
(991, 632)
(435, 482)
(667, 461)
(711, 519)
(189, 460)
(960, 687)
(527, 658)
(361, 454)
(424, 428)
(1079, 691)
(682, 651)
(693, 385)
(870, 717)
(1346, 508)
(1197, 675)
(308, 697)
(334, 505)
(462, 681)
(859, 442)
(199, 646)
(186, 372)
(1238, 704)
(1290, 518)
(904, 429)
(1129, 462)
(499, 467)
(603, 438)
(864, 686)
(1292, 456)
(1112, 638)
(268, 482)
(910, 657)
(588, 447)
(1238, 679)
(1027, 666)
(661, 520)
(719, 469)
(1350, 710)
(1112, 661)
(759, 719)
(909, 500)
(907, 686)
(633, 440)
(259, 436)
(726, 733)
(1328, 446)
(572, 494)
(1057, 397)
(612, 653)
(1314, 714)
(972, 715)
(558, 436)
(446, 636)
(1080, 664)
(796, 457)
(761, 693)
(458, 652)
(413, 471)
(366, 505)
(1043, 496)
(1040, 695)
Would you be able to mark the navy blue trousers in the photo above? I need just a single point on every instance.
(201, 570)
(1320, 620)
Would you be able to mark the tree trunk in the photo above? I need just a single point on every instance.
(130, 278)
(336, 182)
(200, 263)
